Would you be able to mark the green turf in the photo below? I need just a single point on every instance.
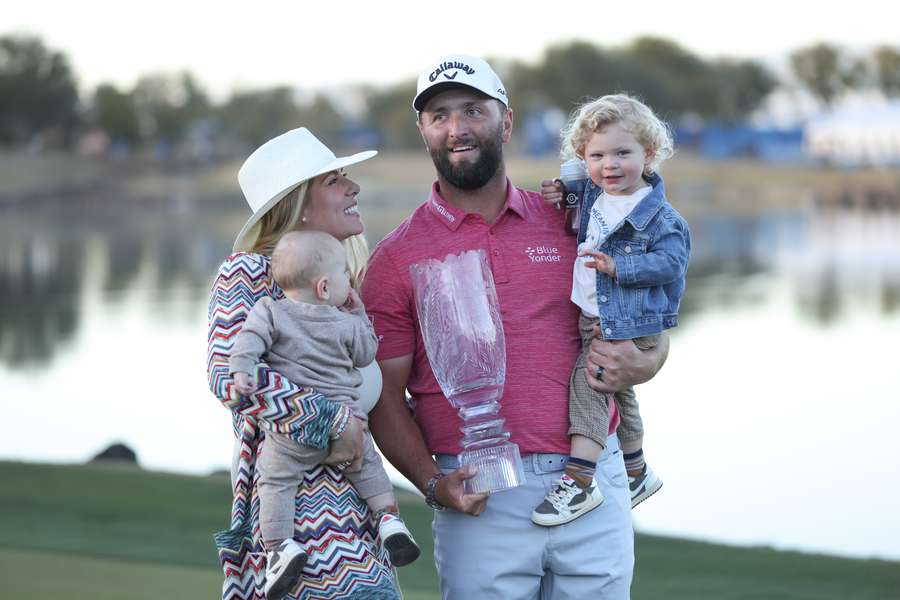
(95, 532)
(674, 568)
(32, 575)
(123, 513)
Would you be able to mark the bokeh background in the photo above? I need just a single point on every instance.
(774, 421)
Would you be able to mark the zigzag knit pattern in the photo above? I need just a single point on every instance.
(331, 521)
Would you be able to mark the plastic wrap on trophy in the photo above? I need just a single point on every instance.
(459, 317)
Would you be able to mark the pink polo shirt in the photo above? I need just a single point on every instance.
(531, 259)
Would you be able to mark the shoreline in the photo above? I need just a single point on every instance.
(736, 186)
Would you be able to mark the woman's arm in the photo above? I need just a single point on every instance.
(278, 405)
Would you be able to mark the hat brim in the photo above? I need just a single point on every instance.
(242, 243)
(430, 92)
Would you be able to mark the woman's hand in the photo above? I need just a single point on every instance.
(349, 446)
(624, 364)
(450, 491)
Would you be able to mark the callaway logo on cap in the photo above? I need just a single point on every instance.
(458, 70)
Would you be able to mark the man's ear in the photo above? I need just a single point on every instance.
(421, 132)
(322, 292)
(507, 125)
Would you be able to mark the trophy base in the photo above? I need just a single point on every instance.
(499, 468)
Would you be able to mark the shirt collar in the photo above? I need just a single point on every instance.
(649, 205)
(445, 212)
(452, 216)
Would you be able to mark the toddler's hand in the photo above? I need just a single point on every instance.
(354, 303)
(602, 262)
(244, 383)
(552, 191)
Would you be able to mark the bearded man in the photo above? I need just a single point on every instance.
(488, 548)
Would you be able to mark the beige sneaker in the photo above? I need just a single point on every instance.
(643, 486)
(566, 502)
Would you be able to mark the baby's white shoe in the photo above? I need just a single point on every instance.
(284, 568)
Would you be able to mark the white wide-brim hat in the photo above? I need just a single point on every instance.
(279, 166)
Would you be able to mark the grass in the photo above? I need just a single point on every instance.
(674, 568)
(120, 513)
(43, 575)
(114, 532)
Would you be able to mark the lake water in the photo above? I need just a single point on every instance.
(774, 421)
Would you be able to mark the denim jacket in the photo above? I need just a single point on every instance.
(651, 248)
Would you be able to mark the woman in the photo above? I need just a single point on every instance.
(294, 182)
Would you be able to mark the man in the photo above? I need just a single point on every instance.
(489, 548)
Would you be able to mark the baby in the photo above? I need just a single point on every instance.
(633, 251)
(311, 340)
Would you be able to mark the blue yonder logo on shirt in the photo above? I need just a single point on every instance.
(542, 254)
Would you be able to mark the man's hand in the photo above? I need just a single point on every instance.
(244, 383)
(602, 262)
(450, 491)
(624, 364)
(349, 447)
(552, 191)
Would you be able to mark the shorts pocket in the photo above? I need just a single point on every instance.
(614, 470)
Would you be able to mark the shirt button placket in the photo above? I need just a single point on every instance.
(498, 265)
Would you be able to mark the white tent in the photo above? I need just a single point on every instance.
(857, 135)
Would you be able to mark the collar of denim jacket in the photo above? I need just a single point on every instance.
(649, 205)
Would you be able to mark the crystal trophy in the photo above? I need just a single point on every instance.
(459, 317)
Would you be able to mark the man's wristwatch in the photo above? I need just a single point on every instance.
(429, 492)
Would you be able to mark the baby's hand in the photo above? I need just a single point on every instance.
(354, 303)
(552, 191)
(244, 383)
(602, 262)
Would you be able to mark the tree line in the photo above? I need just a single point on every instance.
(38, 92)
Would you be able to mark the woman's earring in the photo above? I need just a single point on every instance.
(303, 219)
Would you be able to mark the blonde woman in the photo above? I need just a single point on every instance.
(294, 182)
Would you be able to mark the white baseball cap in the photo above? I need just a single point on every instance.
(279, 166)
(458, 70)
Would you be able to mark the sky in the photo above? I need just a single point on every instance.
(325, 45)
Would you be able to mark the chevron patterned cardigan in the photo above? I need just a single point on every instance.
(331, 521)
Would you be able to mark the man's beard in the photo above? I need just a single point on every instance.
(471, 176)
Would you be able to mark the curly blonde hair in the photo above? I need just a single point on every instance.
(633, 115)
(284, 216)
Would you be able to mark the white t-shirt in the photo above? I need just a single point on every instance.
(370, 390)
(606, 214)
